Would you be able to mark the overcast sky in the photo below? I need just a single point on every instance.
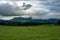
(37, 9)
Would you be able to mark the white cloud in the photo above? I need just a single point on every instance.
(40, 9)
(22, 0)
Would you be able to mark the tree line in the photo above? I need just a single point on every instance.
(15, 23)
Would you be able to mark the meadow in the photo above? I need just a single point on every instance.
(41, 32)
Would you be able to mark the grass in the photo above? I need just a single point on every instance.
(42, 32)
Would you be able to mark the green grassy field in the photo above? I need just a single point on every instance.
(42, 32)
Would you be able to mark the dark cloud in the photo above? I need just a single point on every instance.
(6, 10)
(44, 9)
(23, 0)
(26, 6)
(53, 5)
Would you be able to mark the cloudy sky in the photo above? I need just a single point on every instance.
(37, 9)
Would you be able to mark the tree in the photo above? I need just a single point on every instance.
(58, 22)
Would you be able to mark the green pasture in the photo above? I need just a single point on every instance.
(41, 32)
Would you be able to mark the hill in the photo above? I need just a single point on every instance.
(21, 19)
(27, 21)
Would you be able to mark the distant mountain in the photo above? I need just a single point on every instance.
(27, 21)
(21, 19)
